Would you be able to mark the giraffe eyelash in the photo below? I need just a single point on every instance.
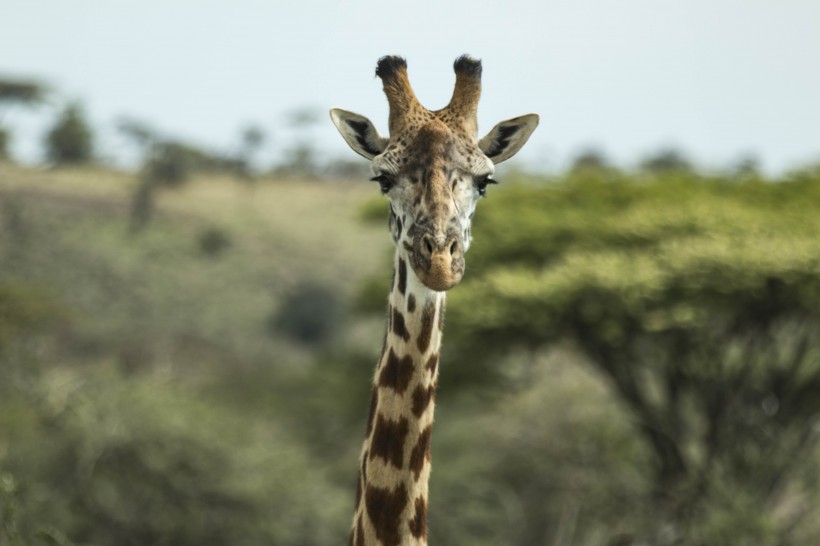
(481, 184)
(385, 183)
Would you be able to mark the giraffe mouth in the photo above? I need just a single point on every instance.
(438, 260)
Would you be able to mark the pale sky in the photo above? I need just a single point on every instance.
(715, 78)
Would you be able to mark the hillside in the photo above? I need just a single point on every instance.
(132, 348)
(632, 358)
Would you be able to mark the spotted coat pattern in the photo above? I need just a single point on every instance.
(395, 459)
(431, 162)
(433, 169)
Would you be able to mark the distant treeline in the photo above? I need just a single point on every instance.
(71, 140)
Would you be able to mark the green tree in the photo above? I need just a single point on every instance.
(167, 163)
(23, 93)
(70, 140)
(590, 158)
(666, 161)
(310, 314)
(251, 140)
(747, 165)
(253, 137)
(301, 157)
(697, 300)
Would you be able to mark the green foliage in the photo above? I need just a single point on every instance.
(590, 159)
(142, 205)
(666, 161)
(696, 298)
(159, 410)
(21, 92)
(27, 309)
(610, 255)
(374, 211)
(301, 161)
(252, 139)
(172, 163)
(5, 139)
(631, 359)
(346, 169)
(142, 462)
(552, 461)
(168, 163)
(213, 241)
(301, 157)
(70, 140)
(309, 314)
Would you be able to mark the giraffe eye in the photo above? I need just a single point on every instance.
(385, 183)
(481, 185)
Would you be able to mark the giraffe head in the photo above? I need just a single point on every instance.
(433, 167)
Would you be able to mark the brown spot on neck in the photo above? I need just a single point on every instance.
(418, 525)
(384, 508)
(396, 372)
(432, 363)
(422, 397)
(421, 452)
(388, 441)
(399, 327)
(402, 286)
(428, 316)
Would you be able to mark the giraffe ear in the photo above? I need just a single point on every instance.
(359, 133)
(506, 138)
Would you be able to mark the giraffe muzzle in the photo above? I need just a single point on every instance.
(438, 260)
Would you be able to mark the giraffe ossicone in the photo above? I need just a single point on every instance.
(433, 169)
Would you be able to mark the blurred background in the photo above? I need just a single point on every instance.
(194, 270)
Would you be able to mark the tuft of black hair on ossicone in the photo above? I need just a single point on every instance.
(468, 65)
(389, 65)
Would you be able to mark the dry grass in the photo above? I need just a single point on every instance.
(158, 286)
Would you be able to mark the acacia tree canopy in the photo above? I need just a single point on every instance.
(696, 298)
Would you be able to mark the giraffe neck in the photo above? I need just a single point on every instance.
(391, 498)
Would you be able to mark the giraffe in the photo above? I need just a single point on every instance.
(433, 170)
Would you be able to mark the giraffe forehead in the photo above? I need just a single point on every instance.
(434, 140)
(433, 143)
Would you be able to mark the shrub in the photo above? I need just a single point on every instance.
(27, 309)
(70, 140)
(133, 461)
(213, 241)
(309, 314)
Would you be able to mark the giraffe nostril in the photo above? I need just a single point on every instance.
(429, 246)
(453, 248)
